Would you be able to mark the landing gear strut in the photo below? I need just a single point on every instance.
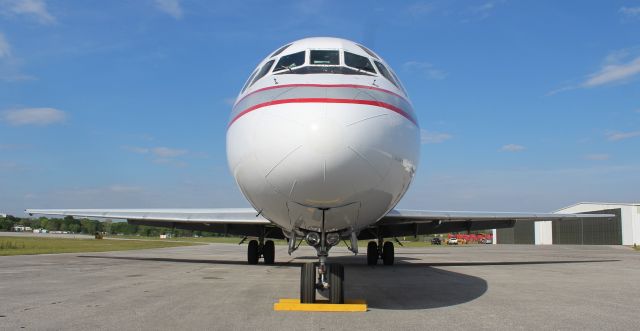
(384, 251)
(255, 250)
(330, 276)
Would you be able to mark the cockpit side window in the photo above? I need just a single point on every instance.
(325, 57)
(290, 61)
(265, 69)
(249, 81)
(384, 72)
(358, 62)
(280, 50)
(398, 81)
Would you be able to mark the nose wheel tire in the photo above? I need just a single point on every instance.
(308, 283)
(269, 252)
(253, 252)
(372, 253)
(336, 278)
(388, 253)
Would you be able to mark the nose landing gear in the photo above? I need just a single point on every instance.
(330, 276)
(330, 279)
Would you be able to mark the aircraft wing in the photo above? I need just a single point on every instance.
(227, 216)
(412, 216)
(400, 222)
(236, 221)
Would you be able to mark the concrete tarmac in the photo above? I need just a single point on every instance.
(210, 287)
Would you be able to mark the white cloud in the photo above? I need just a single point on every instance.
(13, 147)
(630, 12)
(5, 48)
(34, 116)
(619, 66)
(172, 162)
(561, 89)
(137, 150)
(165, 152)
(432, 137)
(512, 148)
(162, 155)
(9, 64)
(36, 9)
(123, 188)
(420, 8)
(597, 157)
(425, 68)
(482, 11)
(171, 7)
(616, 136)
(613, 72)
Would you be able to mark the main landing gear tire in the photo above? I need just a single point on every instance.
(308, 283)
(269, 252)
(336, 278)
(253, 252)
(388, 253)
(372, 253)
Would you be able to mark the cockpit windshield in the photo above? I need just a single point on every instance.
(290, 61)
(325, 57)
(358, 62)
(326, 61)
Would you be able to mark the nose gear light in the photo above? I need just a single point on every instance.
(333, 238)
(312, 238)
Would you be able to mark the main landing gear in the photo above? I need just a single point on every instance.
(380, 250)
(266, 250)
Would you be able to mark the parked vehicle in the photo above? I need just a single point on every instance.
(486, 241)
(452, 241)
(436, 241)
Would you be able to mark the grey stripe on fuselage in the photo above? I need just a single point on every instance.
(342, 92)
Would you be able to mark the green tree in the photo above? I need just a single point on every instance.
(44, 222)
(106, 226)
(5, 224)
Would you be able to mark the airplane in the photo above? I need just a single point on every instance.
(323, 142)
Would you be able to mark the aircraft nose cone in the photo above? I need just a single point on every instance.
(325, 136)
(321, 158)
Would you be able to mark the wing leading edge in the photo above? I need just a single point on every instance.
(400, 222)
(238, 221)
(223, 216)
(416, 216)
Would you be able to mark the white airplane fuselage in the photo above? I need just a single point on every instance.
(318, 136)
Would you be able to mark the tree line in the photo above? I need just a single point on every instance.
(87, 226)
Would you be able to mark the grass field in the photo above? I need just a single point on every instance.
(34, 245)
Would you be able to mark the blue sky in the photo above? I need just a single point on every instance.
(525, 106)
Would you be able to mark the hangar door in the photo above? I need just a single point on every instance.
(522, 233)
(589, 232)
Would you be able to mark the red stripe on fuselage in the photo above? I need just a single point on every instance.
(325, 100)
(366, 87)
